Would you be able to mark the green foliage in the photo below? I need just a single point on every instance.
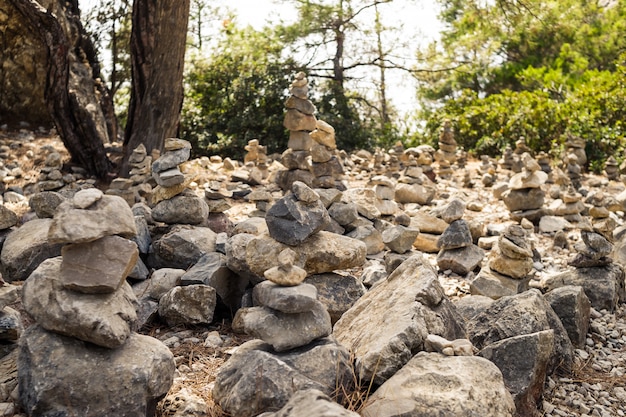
(539, 69)
(238, 94)
(592, 109)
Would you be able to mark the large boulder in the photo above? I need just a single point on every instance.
(604, 285)
(390, 323)
(284, 331)
(523, 361)
(63, 376)
(434, 385)
(182, 247)
(518, 315)
(322, 252)
(25, 248)
(257, 379)
(102, 319)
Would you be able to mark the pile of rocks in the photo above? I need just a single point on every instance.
(458, 252)
(525, 197)
(509, 266)
(446, 154)
(300, 121)
(84, 343)
(326, 167)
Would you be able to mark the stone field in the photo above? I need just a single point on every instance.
(400, 282)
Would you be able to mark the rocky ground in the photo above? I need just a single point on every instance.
(596, 387)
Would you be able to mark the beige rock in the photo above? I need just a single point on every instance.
(100, 266)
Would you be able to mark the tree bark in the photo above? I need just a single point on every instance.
(158, 37)
(78, 131)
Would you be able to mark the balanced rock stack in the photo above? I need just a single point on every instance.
(573, 169)
(173, 202)
(385, 189)
(255, 164)
(457, 252)
(326, 167)
(51, 177)
(509, 266)
(569, 206)
(294, 351)
(414, 187)
(139, 186)
(611, 168)
(576, 145)
(525, 197)
(300, 121)
(593, 249)
(543, 159)
(83, 356)
(508, 158)
(288, 314)
(594, 270)
(424, 156)
(446, 154)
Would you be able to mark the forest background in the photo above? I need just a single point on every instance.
(498, 69)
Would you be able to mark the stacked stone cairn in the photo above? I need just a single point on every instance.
(84, 342)
(508, 158)
(300, 121)
(424, 156)
(291, 325)
(138, 187)
(385, 189)
(573, 169)
(570, 205)
(326, 166)
(611, 168)
(593, 249)
(525, 197)
(173, 202)
(414, 187)
(457, 251)
(509, 266)
(594, 270)
(446, 154)
(255, 168)
(51, 177)
(543, 159)
(576, 145)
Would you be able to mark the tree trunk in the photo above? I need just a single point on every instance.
(158, 38)
(77, 129)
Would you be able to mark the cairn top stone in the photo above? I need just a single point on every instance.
(174, 144)
(85, 198)
(109, 215)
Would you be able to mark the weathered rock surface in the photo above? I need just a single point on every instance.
(519, 315)
(523, 361)
(311, 402)
(108, 215)
(433, 385)
(183, 246)
(572, 306)
(604, 286)
(389, 324)
(102, 319)
(25, 248)
(100, 266)
(322, 252)
(127, 381)
(191, 304)
(256, 379)
(284, 331)
(336, 292)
